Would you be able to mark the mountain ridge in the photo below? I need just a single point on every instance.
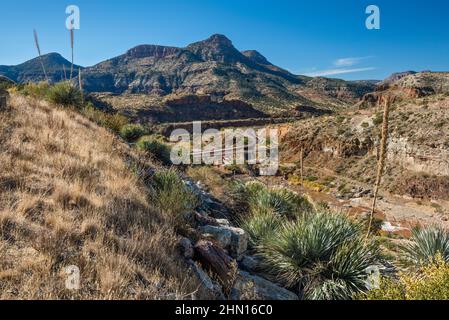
(209, 67)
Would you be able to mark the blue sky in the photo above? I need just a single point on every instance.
(319, 37)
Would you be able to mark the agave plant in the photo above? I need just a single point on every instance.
(322, 257)
(426, 244)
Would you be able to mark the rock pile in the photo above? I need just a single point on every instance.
(219, 255)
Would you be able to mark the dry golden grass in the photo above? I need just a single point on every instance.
(68, 197)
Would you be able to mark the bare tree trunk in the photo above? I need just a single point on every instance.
(380, 163)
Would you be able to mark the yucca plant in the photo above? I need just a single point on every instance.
(426, 244)
(65, 94)
(259, 225)
(322, 257)
(255, 196)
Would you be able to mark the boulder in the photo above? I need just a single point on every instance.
(250, 263)
(208, 284)
(222, 235)
(239, 242)
(234, 239)
(251, 287)
(186, 248)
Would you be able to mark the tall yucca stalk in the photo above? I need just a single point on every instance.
(72, 41)
(65, 73)
(36, 42)
(381, 161)
(80, 82)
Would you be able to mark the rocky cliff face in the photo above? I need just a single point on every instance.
(418, 149)
(404, 86)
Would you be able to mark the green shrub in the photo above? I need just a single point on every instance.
(113, 121)
(431, 282)
(65, 94)
(426, 244)
(378, 119)
(35, 90)
(171, 195)
(322, 256)
(132, 132)
(155, 147)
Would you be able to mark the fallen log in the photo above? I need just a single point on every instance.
(215, 259)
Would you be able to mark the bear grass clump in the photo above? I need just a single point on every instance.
(425, 245)
(319, 255)
(322, 256)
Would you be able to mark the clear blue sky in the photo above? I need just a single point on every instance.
(305, 37)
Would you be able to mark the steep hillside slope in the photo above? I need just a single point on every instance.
(68, 197)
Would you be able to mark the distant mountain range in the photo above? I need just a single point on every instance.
(210, 67)
(31, 71)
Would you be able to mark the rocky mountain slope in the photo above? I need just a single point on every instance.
(31, 71)
(213, 67)
(418, 150)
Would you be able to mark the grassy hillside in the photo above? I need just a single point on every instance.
(68, 196)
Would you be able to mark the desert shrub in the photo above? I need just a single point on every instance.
(112, 121)
(259, 225)
(155, 147)
(426, 244)
(171, 195)
(378, 119)
(132, 132)
(210, 177)
(322, 256)
(35, 90)
(65, 94)
(365, 125)
(431, 282)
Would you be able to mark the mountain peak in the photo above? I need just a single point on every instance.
(256, 57)
(216, 48)
(219, 39)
